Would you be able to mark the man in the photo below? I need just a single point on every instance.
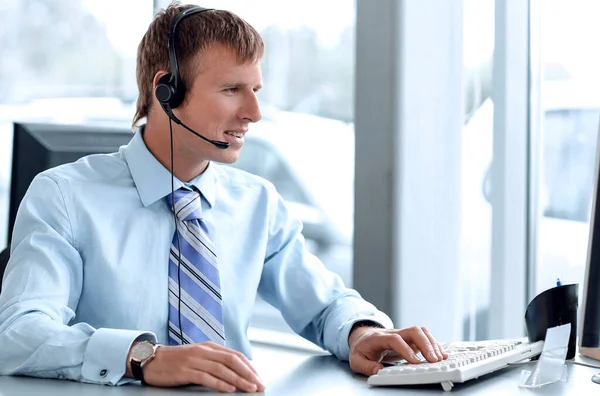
(146, 263)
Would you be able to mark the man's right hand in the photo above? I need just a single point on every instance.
(207, 364)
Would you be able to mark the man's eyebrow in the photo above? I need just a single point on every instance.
(240, 84)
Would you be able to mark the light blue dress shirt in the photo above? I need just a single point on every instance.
(88, 272)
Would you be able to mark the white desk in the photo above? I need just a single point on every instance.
(293, 373)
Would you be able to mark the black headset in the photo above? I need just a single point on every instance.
(170, 90)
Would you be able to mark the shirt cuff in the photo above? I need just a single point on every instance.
(105, 360)
(344, 333)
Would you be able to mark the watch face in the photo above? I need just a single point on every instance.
(142, 351)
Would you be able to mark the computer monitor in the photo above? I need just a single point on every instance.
(37, 147)
(589, 333)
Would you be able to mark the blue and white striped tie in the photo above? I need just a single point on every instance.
(201, 302)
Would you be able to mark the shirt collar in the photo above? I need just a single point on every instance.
(153, 180)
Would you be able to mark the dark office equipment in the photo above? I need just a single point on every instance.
(551, 308)
(37, 147)
(4, 255)
(589, 337)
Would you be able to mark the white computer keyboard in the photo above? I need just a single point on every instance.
(466, 360)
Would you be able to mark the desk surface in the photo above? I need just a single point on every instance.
(300, 373)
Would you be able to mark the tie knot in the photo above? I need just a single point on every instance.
(187, 204)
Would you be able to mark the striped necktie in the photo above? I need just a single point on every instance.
(195, 288)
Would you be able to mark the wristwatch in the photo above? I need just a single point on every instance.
(141, 353)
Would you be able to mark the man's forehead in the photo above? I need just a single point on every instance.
(230, 67)
(222, 52)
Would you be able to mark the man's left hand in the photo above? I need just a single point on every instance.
(370, 346)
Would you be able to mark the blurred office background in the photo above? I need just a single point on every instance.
(453, 176)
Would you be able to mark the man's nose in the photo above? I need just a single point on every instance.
(251, 110)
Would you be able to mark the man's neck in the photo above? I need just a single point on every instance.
(159, 144)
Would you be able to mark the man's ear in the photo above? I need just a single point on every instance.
(157, 77)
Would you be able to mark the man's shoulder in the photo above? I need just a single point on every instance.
(87, 181)
(91, 168)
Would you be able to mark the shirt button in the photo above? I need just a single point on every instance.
(103, 373)
(60, 376)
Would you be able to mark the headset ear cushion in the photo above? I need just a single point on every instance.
(165, 91)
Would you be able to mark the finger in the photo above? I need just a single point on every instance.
(395, 343)
(260, 384)
(225, 374)
(239, 354)
(439, 351)
(416, 336)
(390, 357)
(360, 364)
(210, 381)
(414, 347)
(235, 363)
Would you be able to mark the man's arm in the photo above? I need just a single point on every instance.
(41, 289)
(313, 300)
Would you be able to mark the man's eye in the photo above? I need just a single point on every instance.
(231, 90)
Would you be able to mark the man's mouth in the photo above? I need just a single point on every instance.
(238, 135)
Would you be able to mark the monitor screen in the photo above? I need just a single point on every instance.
(589, 336)
(37, 147)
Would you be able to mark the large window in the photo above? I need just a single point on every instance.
(570, 112)
(476, 154)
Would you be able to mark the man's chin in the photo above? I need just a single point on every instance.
(226, 159)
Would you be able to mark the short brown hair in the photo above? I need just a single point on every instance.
(195, 33)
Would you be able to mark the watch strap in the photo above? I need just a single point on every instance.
(136, 370)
